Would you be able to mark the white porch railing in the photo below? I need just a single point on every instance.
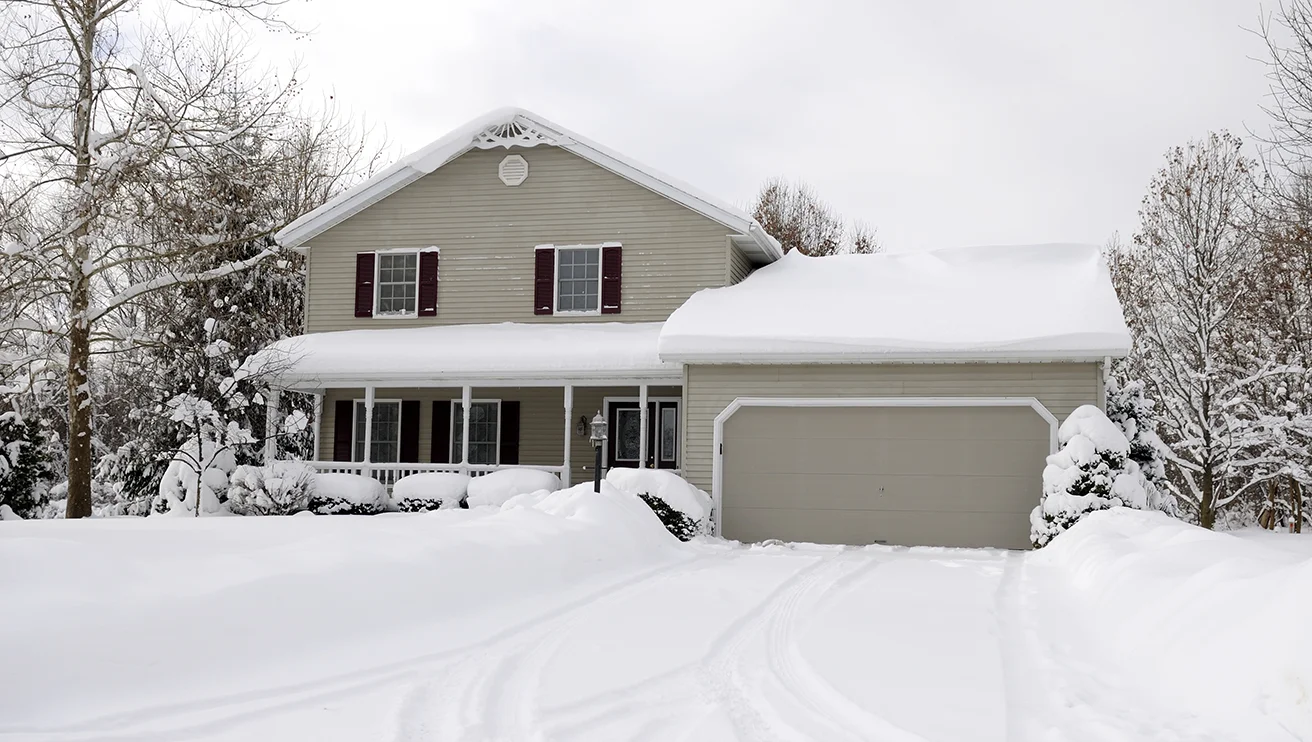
(388, 474)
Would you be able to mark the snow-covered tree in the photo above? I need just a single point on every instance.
(1092, 471)
(101, 127)
(25, 476)
(1132, 412)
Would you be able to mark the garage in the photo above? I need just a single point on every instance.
(914, 472)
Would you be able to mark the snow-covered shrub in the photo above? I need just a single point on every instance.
(1133, 413)
(684, 509)
(126, 481)
(281, 488)
(429, 491)
(190, 472)
(1091, 472)
(348, 494)
(498, 487)
(24, 469)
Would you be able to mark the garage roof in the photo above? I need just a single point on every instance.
(1031, 302)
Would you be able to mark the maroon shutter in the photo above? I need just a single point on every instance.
(428, 283)
(612, 267)
(343, 427)
(409, 453)
(441, 453)
(364, 284)
(544, 280)
(509, 433)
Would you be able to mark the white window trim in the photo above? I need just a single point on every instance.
(555, 282)
(717, 437)
(378, 266)
(451, 432)
(355, 424)
(678, 405)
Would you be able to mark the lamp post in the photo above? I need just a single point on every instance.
(598, 439)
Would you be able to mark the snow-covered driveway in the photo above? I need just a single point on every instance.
(576, 620)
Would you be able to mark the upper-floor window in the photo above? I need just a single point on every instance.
(578, 279)
(398, 283)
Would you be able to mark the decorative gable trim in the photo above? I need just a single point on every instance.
(518, 132)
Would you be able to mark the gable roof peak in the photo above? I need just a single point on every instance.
(516, 127)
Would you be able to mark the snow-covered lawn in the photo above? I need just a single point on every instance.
(579, 618)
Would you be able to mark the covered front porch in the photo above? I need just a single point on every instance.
(389, 403)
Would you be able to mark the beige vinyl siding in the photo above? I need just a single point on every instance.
(708, 389)
(739, 266)
(541, 418)
(487, 232)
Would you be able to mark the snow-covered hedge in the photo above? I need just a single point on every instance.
(429, 491)
(498, 487)
(684, 509)
(281, 488)
(348, 494)
(177, 490)
(1091, 472)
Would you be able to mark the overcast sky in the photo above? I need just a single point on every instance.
(946, 123)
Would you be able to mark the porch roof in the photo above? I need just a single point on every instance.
(509, 353)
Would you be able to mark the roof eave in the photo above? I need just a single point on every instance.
(1012, 356)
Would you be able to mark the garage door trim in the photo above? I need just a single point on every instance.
(717, 442)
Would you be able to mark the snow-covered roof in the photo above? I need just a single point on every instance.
(515, 127)
(1041, 302)
(422, 356)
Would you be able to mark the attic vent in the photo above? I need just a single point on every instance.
(513, 133)
(513, 170)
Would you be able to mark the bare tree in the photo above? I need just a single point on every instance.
(93, 132)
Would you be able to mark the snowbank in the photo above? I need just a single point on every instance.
(684, 509)
(1042, 301)
(429, 491)
(1214, 622)
(498, 487)
(123, 621)
(352, 494)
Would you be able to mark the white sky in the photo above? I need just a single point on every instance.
(939, 123)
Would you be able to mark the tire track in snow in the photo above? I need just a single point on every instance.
(826, 707)
(237, 708)
(496, 689)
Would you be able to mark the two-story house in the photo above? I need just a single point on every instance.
(474, 305)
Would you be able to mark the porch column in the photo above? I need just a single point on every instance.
(318, 425)
(466, 399)
(271, 425)
(569, 432)
(365, 469)
(642, 426)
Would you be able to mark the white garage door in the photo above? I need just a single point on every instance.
(939, 476)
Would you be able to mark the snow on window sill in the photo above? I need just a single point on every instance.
(396, 315)
(578, 313)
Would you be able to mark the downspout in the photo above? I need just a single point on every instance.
(1106, 380)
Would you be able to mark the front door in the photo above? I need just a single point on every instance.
(662, 434)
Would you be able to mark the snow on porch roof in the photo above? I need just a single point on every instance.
(507, 127)
(1038, 302)
(427, 356)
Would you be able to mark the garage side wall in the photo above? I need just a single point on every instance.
(1061, 387)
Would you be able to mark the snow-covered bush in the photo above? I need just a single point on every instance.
(280, 488)
(1091, 472)
(24, 469)
(429, 491)
(498, 487)
(126, 481)
(348, 494)
(684, 509)
(1133, 413)
(191, 472)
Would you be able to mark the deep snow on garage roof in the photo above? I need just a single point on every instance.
(1041, 302)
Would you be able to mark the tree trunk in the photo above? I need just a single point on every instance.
(1268, 517)
(1206, 513)
(79, 331)
(1296, 499)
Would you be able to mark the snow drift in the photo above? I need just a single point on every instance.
(1214, 623)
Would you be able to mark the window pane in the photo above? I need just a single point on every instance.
(385, 445)
(483, 432)
(398, 274)
(669, 433)
(627, 436)
(578, 279)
